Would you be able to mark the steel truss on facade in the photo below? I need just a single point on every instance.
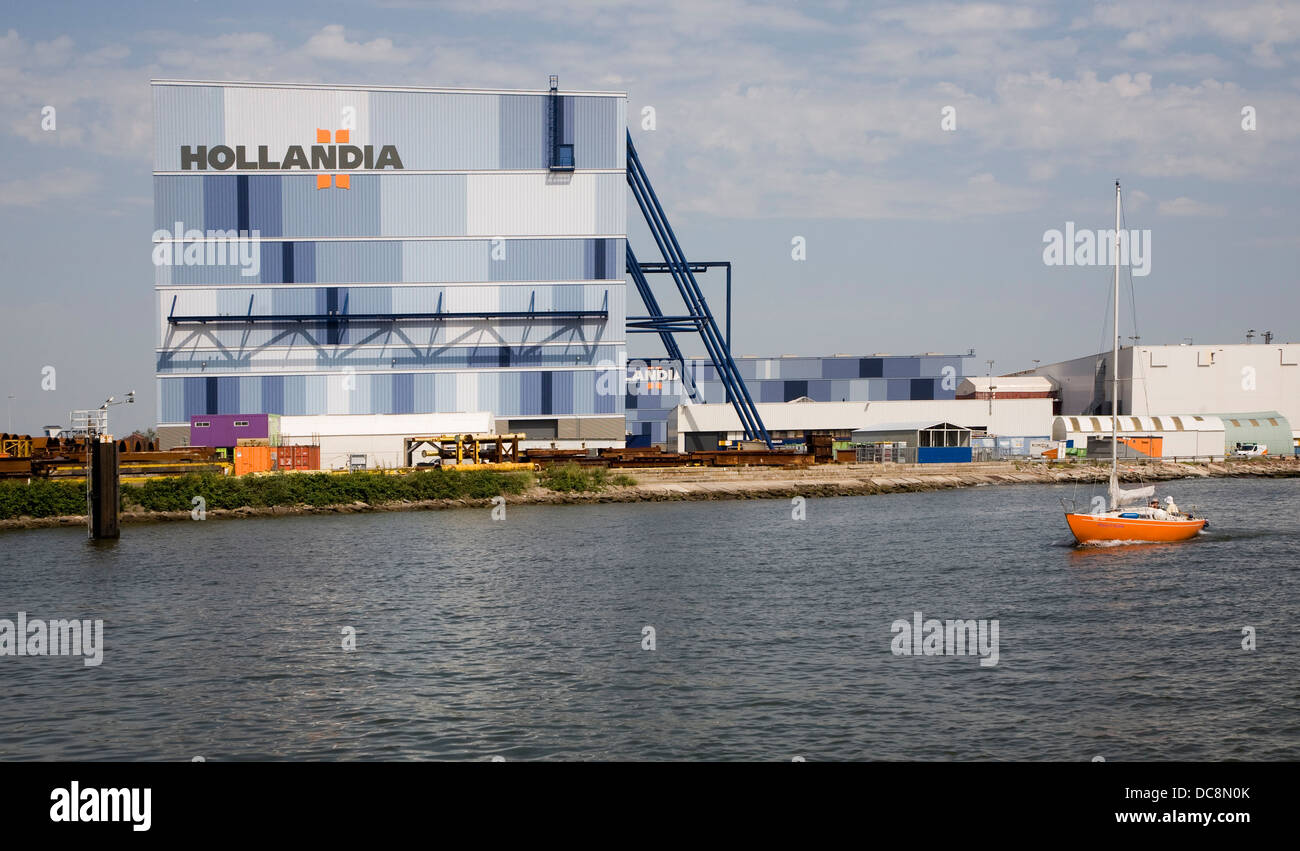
(383, 329)
(698, 319)
(343, 316)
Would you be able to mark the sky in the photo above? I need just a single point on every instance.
(921, 151)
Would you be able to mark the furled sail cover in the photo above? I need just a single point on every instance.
(1136, 495)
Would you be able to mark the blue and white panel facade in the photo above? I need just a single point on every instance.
(654, 386)
(348, 250)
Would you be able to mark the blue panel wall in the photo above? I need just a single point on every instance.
(649, 409)
(943, 455)
(530, 393)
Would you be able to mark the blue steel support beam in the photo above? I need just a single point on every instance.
(655, 321)
(689, 289)
(692, 295)
(640, 186)
(655, 218)
(652, 305)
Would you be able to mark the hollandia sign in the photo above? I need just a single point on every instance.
(321, 157)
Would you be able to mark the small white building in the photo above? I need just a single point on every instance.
(377, 437)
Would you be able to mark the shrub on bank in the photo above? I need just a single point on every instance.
(41, 498)
(44, 498)
(573, 478)
(319, 489)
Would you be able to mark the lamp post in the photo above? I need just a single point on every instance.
(110, 401)
(990, 377)
(10, 429)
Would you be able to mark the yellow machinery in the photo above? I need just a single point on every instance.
(15, 447)
(464, 449)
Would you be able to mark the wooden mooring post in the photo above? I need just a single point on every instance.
(103, 493)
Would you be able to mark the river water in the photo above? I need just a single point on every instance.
(523, 637)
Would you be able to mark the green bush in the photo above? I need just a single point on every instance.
(573, 478)
(41, 498)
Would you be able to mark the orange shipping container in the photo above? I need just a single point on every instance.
(306, 457)
(252, 459)
(297, 458)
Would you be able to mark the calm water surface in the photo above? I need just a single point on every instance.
(522, 638)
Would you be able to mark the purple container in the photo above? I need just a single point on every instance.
(227, 429)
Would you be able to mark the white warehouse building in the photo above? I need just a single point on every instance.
(1185, 436)
(694, 427)
(1185, 378)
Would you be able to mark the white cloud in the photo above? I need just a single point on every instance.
(808, 110)
(961, 18)
(331, 44)
(35, 190)
(1183, 206)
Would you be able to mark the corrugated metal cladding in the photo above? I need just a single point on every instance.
(822, 379)
(396, 204)
(407, 261)
(549, 392)
(472, 222)
(432, 131)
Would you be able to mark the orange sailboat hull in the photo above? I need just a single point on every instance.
(1100, 527)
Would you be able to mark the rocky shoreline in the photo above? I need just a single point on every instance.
(719, 483)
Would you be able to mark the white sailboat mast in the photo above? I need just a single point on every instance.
(1114, 368)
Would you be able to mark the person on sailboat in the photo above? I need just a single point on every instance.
(1171, 507)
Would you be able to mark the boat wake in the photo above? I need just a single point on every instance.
(1097, 545)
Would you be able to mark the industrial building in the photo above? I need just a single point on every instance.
(1187, 436)
(348, 250)
(337, 264)
(1269, 431)
(656, 387)
(1223, 380)
(709, 426)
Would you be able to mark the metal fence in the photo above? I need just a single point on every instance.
(881, 454)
